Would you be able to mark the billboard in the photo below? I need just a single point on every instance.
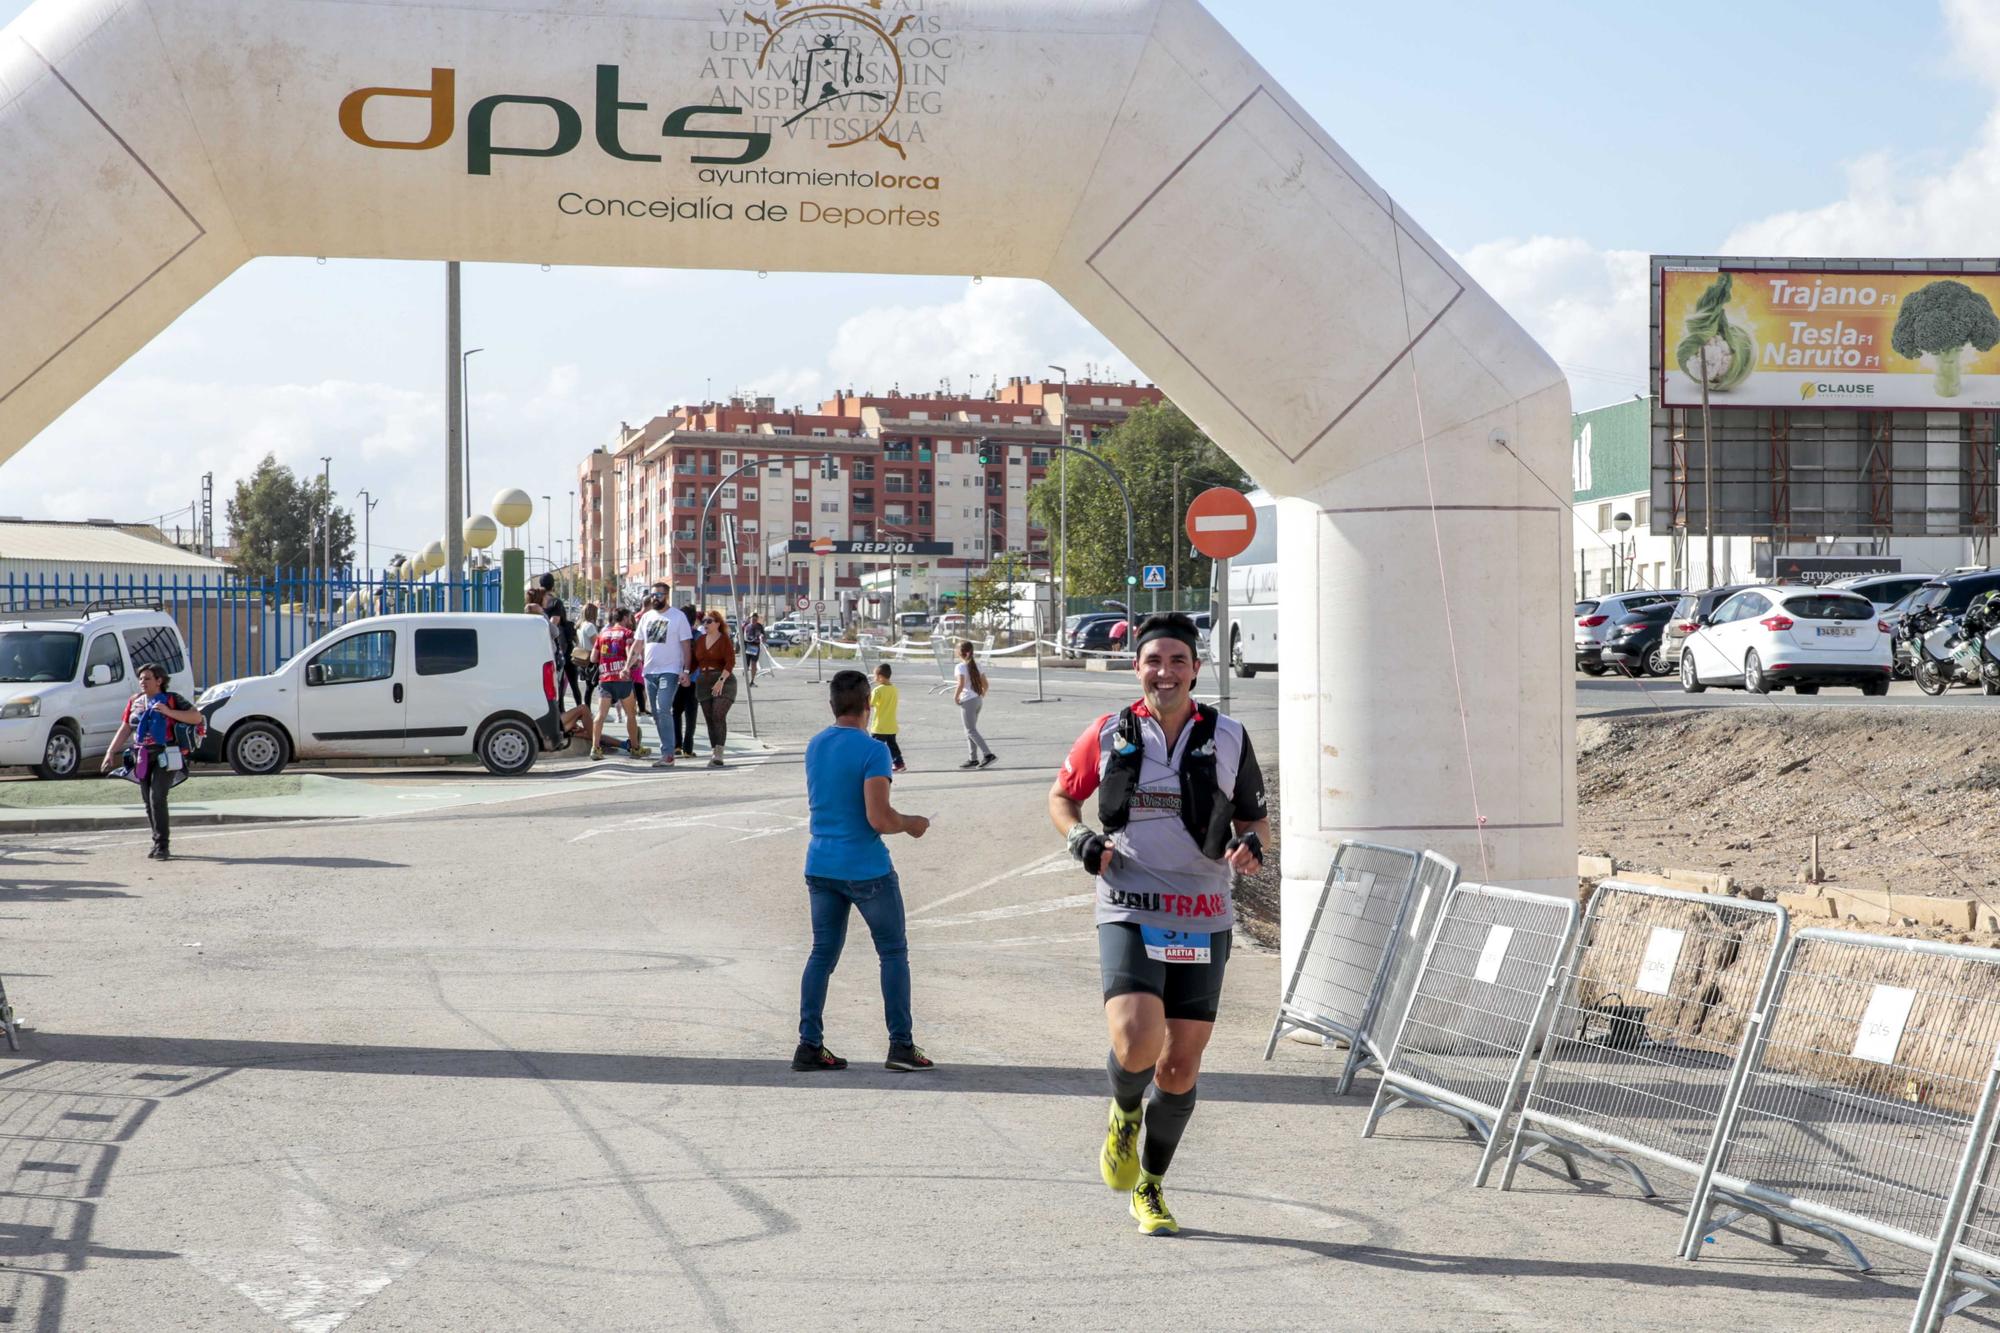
(1801, 338)
(1826, 568)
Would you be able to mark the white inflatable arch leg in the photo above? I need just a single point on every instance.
(1127, 152)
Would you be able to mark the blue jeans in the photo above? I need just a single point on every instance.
(661, 688)
(881, 904)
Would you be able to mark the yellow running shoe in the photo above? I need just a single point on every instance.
(1119, 1162)
(1149, 1209)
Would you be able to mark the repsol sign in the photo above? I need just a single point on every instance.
(686, 122)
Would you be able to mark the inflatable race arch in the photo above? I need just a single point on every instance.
(1126, 152)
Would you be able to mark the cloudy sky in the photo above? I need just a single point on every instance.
(1551, 153)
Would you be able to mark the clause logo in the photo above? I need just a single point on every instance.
(840, 67)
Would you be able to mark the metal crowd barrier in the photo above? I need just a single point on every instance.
(1436, 877)
(1860, 1088)
(1361, 907)
(1971, 1231)
(1654, 1009)
(1481, 999)
(7, 1024)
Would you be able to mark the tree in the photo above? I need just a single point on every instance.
(275, 522)
(1143, 450)
(990, 595)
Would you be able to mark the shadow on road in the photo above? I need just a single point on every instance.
(667, 1070)
(58, 890)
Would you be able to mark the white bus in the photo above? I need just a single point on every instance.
(1249, 641)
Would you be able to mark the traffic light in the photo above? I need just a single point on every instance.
(987, 453)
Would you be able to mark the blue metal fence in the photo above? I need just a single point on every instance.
(244, 626)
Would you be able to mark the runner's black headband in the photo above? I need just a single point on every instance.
(1186, 634)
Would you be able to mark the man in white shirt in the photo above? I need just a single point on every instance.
(665, 632)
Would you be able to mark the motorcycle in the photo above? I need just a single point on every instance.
(1949, 654)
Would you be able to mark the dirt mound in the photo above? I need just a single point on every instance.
(1900, 798)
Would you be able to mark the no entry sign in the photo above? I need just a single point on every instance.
(1221, 523)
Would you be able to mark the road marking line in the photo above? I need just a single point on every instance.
(985, 884)
(1018, 909)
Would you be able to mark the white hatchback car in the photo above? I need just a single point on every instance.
(64, 684)
(438, 684)
(1765, 638)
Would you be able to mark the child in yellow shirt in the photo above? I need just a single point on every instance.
(882, 716)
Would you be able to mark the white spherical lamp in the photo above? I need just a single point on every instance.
(513, 507)
(433, 557)
(481, 532)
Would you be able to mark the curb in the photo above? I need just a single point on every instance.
(120, 823)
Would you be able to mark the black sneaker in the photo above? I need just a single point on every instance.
(810, 1059)
(970, 763)
(988, 759)
(907, 1059)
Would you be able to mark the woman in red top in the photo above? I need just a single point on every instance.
(714, 659)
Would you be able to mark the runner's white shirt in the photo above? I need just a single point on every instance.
(1164, 880)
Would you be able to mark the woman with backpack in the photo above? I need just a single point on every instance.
(562, 635)
(969, 693)
(157, 759)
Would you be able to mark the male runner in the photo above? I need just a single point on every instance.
(1181, 800)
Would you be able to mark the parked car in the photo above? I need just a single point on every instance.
(1688, 611)
(1767, 637)
(1885, 590)
(1094, 634)
(64, 684)
(432, 684)
(1074, 627)
(1594, 616)
(951, 625)
(1633, 646)
(913, 622)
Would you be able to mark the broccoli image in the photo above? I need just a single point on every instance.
(1943, 318)
(1712, 349)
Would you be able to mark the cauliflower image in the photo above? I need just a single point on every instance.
(1943, 318)
(1712, 350)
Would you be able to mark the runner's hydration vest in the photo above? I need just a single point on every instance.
(1204, 813)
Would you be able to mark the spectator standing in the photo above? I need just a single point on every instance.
(753, 647)
(847, 865)
(586, 641)
(563, 636)
(969, 693)
(665, 633)
(156, 761)
(715, 681)
(686, 704)
(661, 591)
(882, 701)
(617, 652)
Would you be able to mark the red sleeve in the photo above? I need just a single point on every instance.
(1082, 766)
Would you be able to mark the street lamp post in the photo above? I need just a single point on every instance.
(1130, 566)
(326, 529)
(1062, 485)
(1623, 522)
(465, 409)
(549, 531)
(701, 524)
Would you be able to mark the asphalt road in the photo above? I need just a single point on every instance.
(523, 1066)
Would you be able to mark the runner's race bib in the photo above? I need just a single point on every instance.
(1174, 946)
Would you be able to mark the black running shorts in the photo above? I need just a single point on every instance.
(1188, 990)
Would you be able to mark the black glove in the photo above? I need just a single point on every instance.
(1092, 849)
(1250, 840)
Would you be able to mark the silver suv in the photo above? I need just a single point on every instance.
(1594, 616)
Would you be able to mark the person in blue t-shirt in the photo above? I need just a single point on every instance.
(847, 788)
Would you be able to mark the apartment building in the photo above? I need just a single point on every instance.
(862, 467)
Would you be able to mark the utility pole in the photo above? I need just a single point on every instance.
(1707, 477)
(549, 531)
(1174, 541)
(326, 529)
(454, 459)
(368, 504)
(465, 393)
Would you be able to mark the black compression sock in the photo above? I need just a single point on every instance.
(1166, 1118)
(1127, 1087)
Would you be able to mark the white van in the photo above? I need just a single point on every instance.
(64, 684)
(436, 684)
